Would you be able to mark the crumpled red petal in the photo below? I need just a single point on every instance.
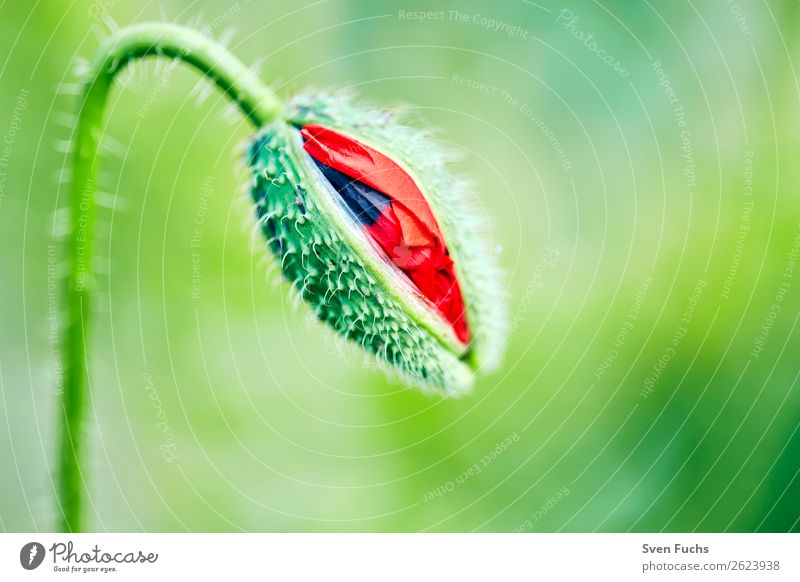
(406, 229)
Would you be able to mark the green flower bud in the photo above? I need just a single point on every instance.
(366, 295)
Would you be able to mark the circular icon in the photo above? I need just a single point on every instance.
(31, 555)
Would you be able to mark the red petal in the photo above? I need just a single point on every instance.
(367, 165)
(407, 232)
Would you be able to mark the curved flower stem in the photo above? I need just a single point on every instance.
(256, 101)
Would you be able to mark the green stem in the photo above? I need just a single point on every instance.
(257, 102)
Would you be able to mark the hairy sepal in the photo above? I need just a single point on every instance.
(339, 272)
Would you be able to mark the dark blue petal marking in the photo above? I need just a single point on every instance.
(366, 203)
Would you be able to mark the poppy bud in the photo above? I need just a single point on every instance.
(372, 232)
(379, 239)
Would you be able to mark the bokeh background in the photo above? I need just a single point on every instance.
(639, 164)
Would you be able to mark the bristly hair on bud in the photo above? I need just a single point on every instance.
(380, 239)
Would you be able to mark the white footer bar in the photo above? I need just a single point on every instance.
(406, 557)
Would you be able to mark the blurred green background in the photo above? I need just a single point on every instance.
(639, 166)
